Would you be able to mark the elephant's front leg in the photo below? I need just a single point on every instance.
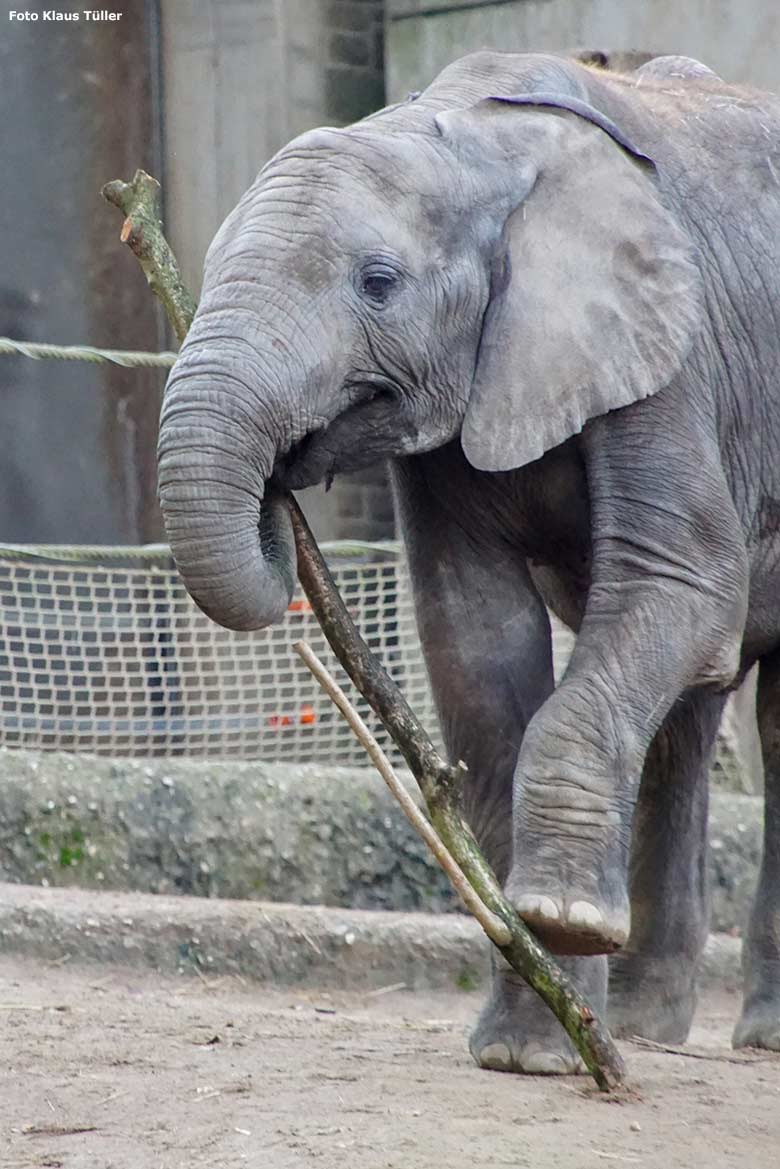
(486, 638)
(665, 612)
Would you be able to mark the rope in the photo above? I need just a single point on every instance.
(160, 554)
(123, 357)
(150, 554)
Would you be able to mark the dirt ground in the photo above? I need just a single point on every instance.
(115, 1069)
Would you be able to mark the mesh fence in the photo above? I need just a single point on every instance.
(114, 658)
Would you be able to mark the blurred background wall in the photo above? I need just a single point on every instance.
(240, 79)
(202, 92)
(78, 105)
(737, 40)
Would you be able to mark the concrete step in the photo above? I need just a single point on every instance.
(287, 945)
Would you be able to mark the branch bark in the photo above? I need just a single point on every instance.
(440, 781)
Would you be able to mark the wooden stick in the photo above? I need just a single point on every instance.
(490, 922)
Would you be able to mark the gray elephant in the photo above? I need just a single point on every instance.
(549, 295)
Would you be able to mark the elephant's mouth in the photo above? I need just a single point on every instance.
(364, 434)
(304, 465)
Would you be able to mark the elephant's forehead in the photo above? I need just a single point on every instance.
(335, 194)
(357, 162)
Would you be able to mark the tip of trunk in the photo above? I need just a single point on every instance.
(238, 568)
(231, 536)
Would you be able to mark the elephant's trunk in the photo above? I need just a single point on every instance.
(231, 538)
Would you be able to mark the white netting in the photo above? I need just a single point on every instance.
(118, 660)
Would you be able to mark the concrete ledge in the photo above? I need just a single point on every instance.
(287, 945)
(304, 834)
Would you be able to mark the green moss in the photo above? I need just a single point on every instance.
(468, 980)
(70, 855)
(65, 845)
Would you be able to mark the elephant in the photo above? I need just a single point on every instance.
(547, 295)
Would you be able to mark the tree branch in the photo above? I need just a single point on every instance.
(139, 202)
(440, 782)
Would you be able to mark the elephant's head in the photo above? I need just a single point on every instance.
(501, 268)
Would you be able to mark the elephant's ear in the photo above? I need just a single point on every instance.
(595, 294)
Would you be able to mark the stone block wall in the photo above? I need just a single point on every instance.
(364, 505)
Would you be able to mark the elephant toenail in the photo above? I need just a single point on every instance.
(540, 907)
(582, 913)
(547, 908)
(546, 1063)
(495, 1057)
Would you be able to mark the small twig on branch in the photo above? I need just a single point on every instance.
(139, 202)
(493, 926)
(440, 782)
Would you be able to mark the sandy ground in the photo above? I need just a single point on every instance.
(105, 1068)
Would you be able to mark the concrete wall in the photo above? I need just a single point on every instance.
(77, 442)
(739, 40)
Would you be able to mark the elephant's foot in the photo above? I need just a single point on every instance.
(516, 1032)
(651, 997)
(759, 1025)
(585, 918)
(569, 877)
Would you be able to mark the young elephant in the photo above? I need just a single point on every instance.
(549, 295)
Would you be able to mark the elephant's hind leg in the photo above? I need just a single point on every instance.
(759, 1025)
(652, 982)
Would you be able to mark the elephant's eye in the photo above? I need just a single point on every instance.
(377, 283)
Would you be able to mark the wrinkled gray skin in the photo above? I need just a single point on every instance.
(570, 354)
